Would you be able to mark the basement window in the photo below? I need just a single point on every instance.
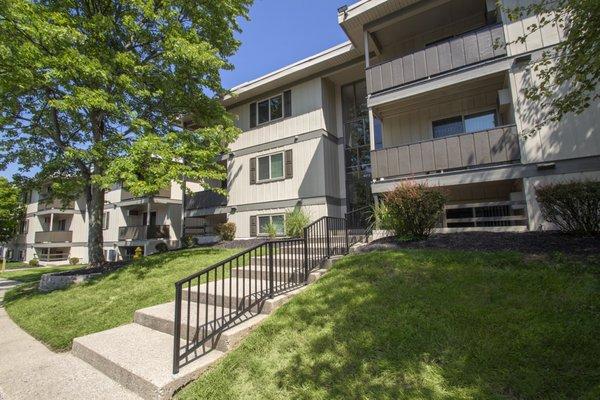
(277, 220)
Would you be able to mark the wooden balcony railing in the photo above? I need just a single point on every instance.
(55, 204)
(206, 199)
(499, 145)
(470, 48)
(165, 193)
(144, 232)
(53, 237)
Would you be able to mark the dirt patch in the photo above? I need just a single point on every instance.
(530, 243)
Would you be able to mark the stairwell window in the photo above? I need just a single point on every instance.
(270, 167)
(278, 220)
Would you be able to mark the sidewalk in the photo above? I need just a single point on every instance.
(28, 370)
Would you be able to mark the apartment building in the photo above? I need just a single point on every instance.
(421, 91)
(54, 231)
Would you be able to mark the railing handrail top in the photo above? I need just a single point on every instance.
(483, 28)
(137, 226)
(450, 136)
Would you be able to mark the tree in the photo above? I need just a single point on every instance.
(10, 209)
(93, 93)
(568, 72)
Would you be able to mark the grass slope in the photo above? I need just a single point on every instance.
(34, 274)
(58, 317)
(425, 324)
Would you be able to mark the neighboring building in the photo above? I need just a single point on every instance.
(433, 101)
(53, 232)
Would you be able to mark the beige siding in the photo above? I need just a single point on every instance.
(331, 168)
(329, 107)
(307, 116)
(514, 29)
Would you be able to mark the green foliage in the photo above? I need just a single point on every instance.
(413, 209)
(188, 241)
(226, 230)
(574, 206)
(73, 260)
(383, 219)
(295, 222)
(161, 247)
(34, 262)
(570, 71)
(271, 230)
(11, 210)
(138, 253)
(93, 94)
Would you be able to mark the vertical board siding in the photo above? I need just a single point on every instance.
(472, 149)
(470, 48)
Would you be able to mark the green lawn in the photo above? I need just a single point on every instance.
(15, 264)
(425, 324)
(58, 317)
(34, 274)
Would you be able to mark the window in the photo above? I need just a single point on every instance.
(277, 220)
(270, 167)
(271, 109)
(465, 124)
(61, 226)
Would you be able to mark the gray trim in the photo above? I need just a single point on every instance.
(498, 173)
(202, 212)
(307, 201)
(286, 142)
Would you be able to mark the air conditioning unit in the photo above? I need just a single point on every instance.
(504, 100)
(133, 213)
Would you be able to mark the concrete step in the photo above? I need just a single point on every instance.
(140, 359)
(290, 272)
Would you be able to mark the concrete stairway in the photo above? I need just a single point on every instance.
(139, 355)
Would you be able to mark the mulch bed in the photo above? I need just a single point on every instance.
(533, 243)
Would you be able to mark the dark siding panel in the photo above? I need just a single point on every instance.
(253, 231)
(252, 171)
(289, 164)
(253, 115)
(287, 103)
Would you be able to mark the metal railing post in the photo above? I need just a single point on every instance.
(306, 255)
(177, 328)
(271, 288)
(327, 238)
(347, 239)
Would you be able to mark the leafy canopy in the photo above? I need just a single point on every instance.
(93, 91)
(570, 71)
(10, 209)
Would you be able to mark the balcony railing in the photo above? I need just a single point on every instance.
(48, 257)
(499, 145)
(166, 193)
(144, 232)
(206, 199)
(53, 237)
(470, 48)
(55, 204)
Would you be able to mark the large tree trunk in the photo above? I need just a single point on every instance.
(95, 210)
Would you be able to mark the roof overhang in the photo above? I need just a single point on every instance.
(303, 69)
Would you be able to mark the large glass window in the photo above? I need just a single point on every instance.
(277, 220)
(480, 122)
(465, 124)
(448, 127)
(270, 167)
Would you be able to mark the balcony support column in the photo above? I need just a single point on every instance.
(51, 227)
(371, 128)
(367, 55)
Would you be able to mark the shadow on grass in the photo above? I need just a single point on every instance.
(433, 324)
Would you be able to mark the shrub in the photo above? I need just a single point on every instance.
(187, 241)
(271, 230)
(382, 217)
(226, 230)
(413, 209)
(73, 260)
(161, 247)
(295, 222)
(34, 262)
(574, 207)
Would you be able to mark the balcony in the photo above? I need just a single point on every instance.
(165, 193)
(206, 199)
(467, 49)
(55, 204)
(143, 232)
(53, 237)
(499, 145)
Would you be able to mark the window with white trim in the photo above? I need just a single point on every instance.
(271, 109)
(465, 124)
(277, 220)
(270, 167)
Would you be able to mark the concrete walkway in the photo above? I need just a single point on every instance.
(28, 370)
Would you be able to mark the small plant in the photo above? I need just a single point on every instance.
(413, 209)
(226, 230)
(34, 262)
(187, 241)
(74, 260)
(381, 217)
(161, 247)
(574, 207)
(295, 222)
(138, 253)
(271, 230)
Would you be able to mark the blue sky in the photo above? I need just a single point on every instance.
(278, 33)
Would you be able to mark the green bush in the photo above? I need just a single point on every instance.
(34, 262)
(413, 209)
(187, 242)
(295, 222)
(383, 219)
(574, 207)
(226, 230)
(73, 260)
(161, 247)
(271, 230)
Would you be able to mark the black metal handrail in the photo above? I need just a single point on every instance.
(235, 289)
(360, 223)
